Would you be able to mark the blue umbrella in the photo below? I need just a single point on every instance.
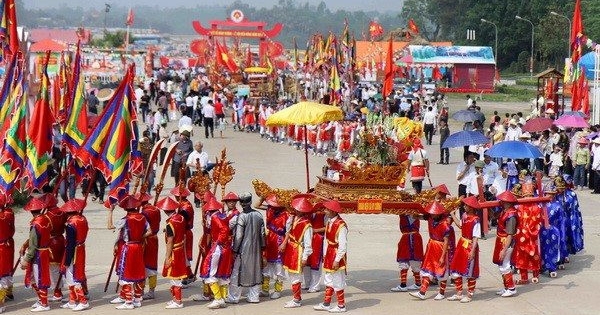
(514, 150)
(465, 115)
(464, 138)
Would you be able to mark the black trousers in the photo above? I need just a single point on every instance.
(597, 182)
(209, 125)
(428, 133)
(417, 186)
(444, 155)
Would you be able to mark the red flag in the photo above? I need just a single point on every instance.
(585, 98)
(10, 17)
(577, 38)
(413, 26)
(375, 29)
(577, 93)
(388, 82)
(130, 17)
(437, 74)
(224, 59)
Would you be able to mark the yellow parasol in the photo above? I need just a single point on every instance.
(256, 70)
(302, 114)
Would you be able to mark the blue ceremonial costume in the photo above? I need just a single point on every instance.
(552, 238)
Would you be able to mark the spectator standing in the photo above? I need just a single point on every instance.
(144, 105)
(444, 134)
(582, 160)
(208, 111)
(429, 122)
(93, 103)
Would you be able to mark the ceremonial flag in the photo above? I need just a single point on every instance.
(39, 134)
(112, 145)
(346, 34)
(224, 59)
(577, 38)
(585, 97)
(388, 82)
(77, 122)
(8, 25)
(11, 91)
(9, 77)
(61, 90)
(375, 29)
(413, 26)
(130, 17)
(14, 146)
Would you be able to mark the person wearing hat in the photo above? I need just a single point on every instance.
(133, 229)
(276, 229)
(7, 248)
(152, 215)
(419, 165)
(514, 131)
(435, 261)
(298, 245)
(526, 255)
(410, 252)
(553, 245)
(595, 167)
(472, 184)
(175, 263)
(555, 162)
(248, 244)
(216, 267)
(36, 253)
(574, 221)
(334, 262)
(581, 160)
(57, 242)
(184, 148)
(503, 248)
(73, 263)
(312, 270)
(204, 244)
(187, 211)
(465, 261)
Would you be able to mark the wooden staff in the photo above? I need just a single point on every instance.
(112, 268)
(169, 156)
(16, 266)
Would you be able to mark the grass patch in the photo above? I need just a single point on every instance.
(503, 94)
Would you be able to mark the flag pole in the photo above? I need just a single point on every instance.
(127, 39)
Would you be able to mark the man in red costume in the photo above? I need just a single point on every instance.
(187, 211)
(503, 248)
(276, 218)
(205, 244)
(175, 264)
(216, 268)
(36, 253)
(134, 228)
(152, 215)
(526, 256)
(435, 261)
(410, 252)
(465, 262)
(57, 242)
(419, 165)
(7, 248)
(334, 263)
(73, 264)
(298, 246)
(312, 270)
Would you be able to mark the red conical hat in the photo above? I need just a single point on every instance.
(143, 197)
(300, 203)
(442, 189)
(35, 204)
(435, 208)
(231, 196)
(129, 202)
(332, 205)
(212, 205)
(73, 205)
(271, 200)
(50, 200)
(180, 192)
(507, 196)
(167, 204)
(471, 202)
(207, 196)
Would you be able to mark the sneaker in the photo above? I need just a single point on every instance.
(455, 297)
(81, 307)
(292, 304)
(36, 304)
(215, 304)
(173, 305)
(263, 293)
(535, 280)
(137, 303)
(149, 295)
(313, 290)
(418, 295)
(321, 307)
(41, 308)
(2, 309)
(439, 297)
(500, 292)
(553, 274)
(399, 288)
(413, 287)
(252, 301)
(338, 309)
(466, 299)
(229, 300)
(125, 306)
(55, 298)
(68, 306)
(117, 300)
(275, 295)
(200, 297)
(509, 293)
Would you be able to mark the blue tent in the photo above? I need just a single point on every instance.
(588, 61)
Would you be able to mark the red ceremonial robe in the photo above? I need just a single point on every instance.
(410, 246)
(152, 215)
(438, 230)
(460, 263)
(7, 243)
(130, 264)
(292, 259)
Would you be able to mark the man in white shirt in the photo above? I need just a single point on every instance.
(208, 112)
(472, 185)
(596, 164)
(500, 181)
(197, 156)
(139, 92)
(489, 171)
(429, 122)
(186, 121)
(514, 132)
(464, 171)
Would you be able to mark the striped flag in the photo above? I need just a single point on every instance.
(8, 26)
(112, 146)
(12, 159)
(6, 99)
(77, 122)
(39, 134)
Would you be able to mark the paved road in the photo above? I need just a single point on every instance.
(372, 268)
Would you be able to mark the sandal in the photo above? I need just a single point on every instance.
(553, 274)
(535, 280)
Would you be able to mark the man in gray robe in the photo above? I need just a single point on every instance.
(248, 243)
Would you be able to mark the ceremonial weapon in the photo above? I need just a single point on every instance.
(16, 266)
(112, 267)
(165, 166)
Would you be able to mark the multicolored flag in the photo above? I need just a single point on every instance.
(39, 134)
(77, 123)
(14, 148)
(8, 25)
(10, 93)
(112, 145)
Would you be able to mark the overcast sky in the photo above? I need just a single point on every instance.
(350, 5)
